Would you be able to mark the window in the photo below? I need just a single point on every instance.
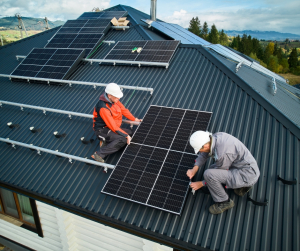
(21, 208)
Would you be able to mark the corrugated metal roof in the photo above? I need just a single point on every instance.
(196, 79)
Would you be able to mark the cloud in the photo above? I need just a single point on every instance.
(281, 18)
(53, 9)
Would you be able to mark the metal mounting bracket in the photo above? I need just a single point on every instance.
(257, 203)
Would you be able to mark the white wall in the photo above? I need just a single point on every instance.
(66, 231)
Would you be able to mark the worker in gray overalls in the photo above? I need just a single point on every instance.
(234, 167)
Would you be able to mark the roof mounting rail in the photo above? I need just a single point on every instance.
(108, 42)
(274, 87)
(69, 113)
(69, 156)
(239, 65)
(70, 82)
(120, 27)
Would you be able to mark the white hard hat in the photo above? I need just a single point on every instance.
(114, 89)
(199, 139)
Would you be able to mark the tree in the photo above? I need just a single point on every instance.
(234, 44)
(223, 38)
(285, 65)
(204, 31)
(293, 59)
(273, 64)
(213, 35)
(195, 26)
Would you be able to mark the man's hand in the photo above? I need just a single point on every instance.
(128, 140)
(191, 172)
(196, 185)
(138, 120)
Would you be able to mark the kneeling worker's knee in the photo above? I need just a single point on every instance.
(208, 176)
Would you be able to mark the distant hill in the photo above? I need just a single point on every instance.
(266, 35)
(29, 22)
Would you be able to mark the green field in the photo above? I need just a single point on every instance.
(10, 36)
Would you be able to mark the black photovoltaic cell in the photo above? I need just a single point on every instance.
(153, 51)
(102, 14)
(152, 170)
(47, 63)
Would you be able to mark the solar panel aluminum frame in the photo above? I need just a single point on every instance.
(162, 165)
(67, 74)
(136, 62)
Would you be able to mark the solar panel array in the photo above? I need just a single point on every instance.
(152, 51)
(103, 14)
(81, 34)
(152, 169)
(176, 32)
(49, 63)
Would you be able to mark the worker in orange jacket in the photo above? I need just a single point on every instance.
(107, 120)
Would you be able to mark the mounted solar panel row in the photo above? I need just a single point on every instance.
(176, 32)
(103, 14)
(152, 51)
(85, 26)
(49, 63)
(152, 170)
(79, 41)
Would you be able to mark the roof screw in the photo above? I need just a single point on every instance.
(10, 124)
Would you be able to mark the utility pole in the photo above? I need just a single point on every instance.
(47, 25)
(21, 25)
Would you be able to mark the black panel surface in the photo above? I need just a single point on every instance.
(48, 63)
(85, 26)
(152, 51)
(102, 15)
(152, 169)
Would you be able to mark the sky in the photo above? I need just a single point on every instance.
(262, 15)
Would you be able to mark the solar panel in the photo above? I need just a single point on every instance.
(85, 26)
(152, 169)
(152, 51)
(102, 14)
(176, 32)
(49, 63)
(79, 41)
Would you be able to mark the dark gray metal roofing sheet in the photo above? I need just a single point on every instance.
(287, 98)
(196, 79)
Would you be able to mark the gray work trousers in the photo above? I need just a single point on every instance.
(114, 142)
(214, 179)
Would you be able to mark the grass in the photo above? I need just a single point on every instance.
(293, 79)
(14, 35)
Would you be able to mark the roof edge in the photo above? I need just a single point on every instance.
(106, 220)
(275, 112)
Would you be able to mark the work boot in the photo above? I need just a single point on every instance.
(242, 191)
(220, 207)
(97, 157)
